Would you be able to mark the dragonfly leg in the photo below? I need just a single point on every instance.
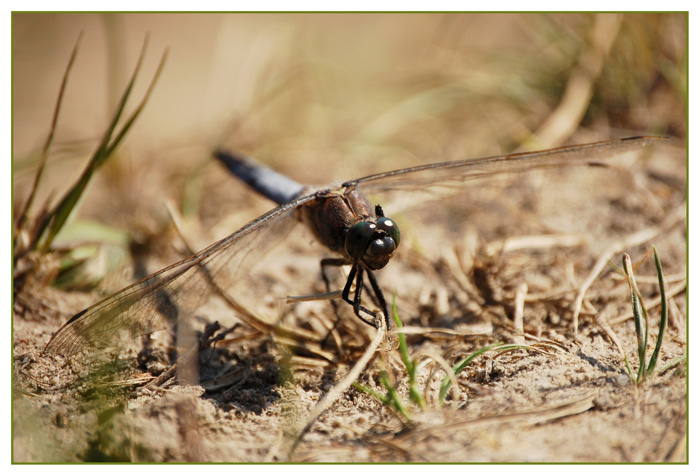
(356, 275)
(380, 297)
(325, 263)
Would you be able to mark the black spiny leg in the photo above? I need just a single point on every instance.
(356, 275)
(357, 300)
(380, 297)
(325, 263)
(357, 270)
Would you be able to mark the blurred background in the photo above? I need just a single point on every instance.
(326, 97)
(353, 85)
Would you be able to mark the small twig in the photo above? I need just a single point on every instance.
(474, 330)
(520, 294)
(170, 373)
(534, 242)
(314, 297)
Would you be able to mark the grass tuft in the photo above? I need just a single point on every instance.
(393, 397)
(35, 232)
(641, 321)
(110, 141)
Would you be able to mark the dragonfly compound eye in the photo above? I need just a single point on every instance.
(388, 225)
(379, 252)
(358, 238)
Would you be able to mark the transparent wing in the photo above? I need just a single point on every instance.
(525, 193)
(454, 174)
(161, 299)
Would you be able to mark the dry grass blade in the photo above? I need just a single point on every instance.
(520, 294)
(637, 308)
(652, 303)
(579, 89)
(473, 330)
(532, 417)
(130, 382)
(605, 325)
(21, 218)
(441, 363)
(533, 241)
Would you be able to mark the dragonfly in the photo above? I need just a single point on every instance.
(341, 218)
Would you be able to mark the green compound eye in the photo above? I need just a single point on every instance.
(391, 229)
(358, 239)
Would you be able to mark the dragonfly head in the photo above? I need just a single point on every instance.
(373, 243)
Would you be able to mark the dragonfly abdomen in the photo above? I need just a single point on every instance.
(275, 186)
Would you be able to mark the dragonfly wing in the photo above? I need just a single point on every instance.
(175, 292)
(454, 174)
(469, 203)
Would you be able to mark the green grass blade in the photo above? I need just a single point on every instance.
(65, 207)
(459, 367)
(127, 125)
(446, 382)
(382, 398)
(415, 395)
(395, 398)
(411, 367)
(642, 334)
(403, 347)
(664, 313)
(637, 313)
(672, 363)
(104, 151)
